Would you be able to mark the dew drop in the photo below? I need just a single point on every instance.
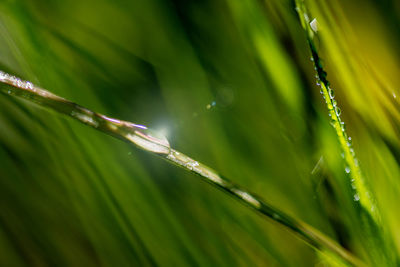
(356, 197)
(343, 126)
(149, 140)
(337, 111)
(29, 85)
(276, 216)
(349, 141)
(314, 25)
(347, 169)
(356, 162)
(334, 103)
(191, 165)
(307, 19)
(331, 93)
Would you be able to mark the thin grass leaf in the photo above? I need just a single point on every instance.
(153, 142)
(379, 244)
(362, 192)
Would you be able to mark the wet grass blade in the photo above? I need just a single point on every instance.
(155, 143)
(378, 243)
(362, 192)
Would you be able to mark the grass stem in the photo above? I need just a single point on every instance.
(362, 193)
(155, 143)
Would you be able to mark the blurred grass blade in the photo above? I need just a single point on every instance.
(153, 142)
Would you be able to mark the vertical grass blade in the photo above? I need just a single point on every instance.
(377, 241)
(361, 190)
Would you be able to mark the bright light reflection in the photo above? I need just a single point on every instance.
(163, 131)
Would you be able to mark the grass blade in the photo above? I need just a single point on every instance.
(362, 192)
(150, 141)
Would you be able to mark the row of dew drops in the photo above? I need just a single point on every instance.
(17, 82)
(334, 106)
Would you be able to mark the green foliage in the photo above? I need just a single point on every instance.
(232, 83)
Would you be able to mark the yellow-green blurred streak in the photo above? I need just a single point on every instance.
(252, 22)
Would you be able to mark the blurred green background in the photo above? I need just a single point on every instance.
(231, 84)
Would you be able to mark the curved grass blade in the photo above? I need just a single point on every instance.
(155, 143)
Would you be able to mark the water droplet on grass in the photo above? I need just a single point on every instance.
(149, 140)
(337, 111)
(343, 126)
(331, 93)
(314, 25)
(307, 19)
